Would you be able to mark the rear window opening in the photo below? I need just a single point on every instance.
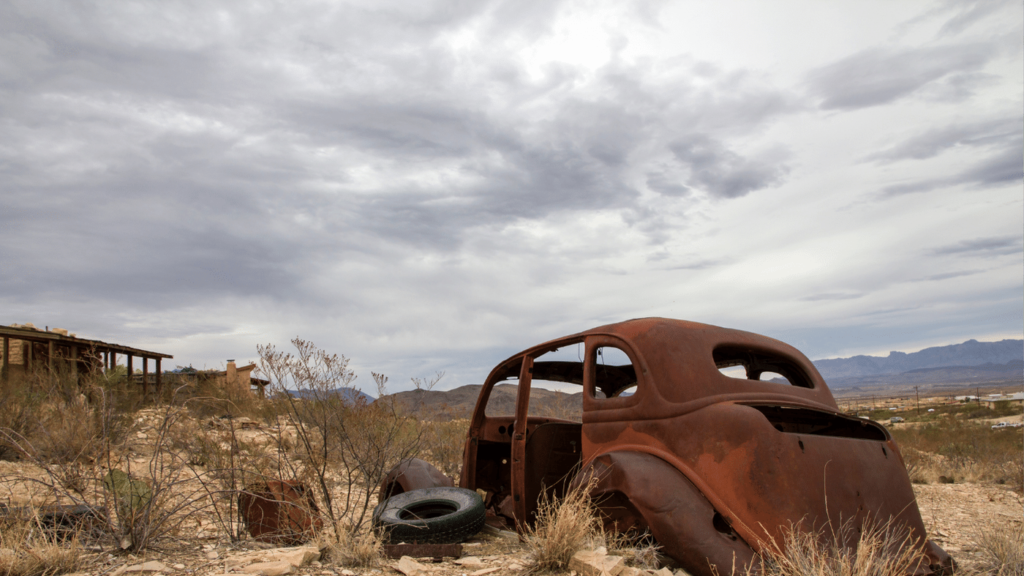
(614, 373)
(814, 423)
(746, 364)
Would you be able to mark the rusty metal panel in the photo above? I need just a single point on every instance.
(411, 474)
(435, 551)
(280, 512)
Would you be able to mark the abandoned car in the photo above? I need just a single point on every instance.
(714, 440)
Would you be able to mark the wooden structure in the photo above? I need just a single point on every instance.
(45, 348)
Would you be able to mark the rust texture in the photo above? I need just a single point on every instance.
(713, 466)
(411, 474)
(280, 512)
(435, 551)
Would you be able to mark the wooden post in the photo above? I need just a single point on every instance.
(131, 371)
(158, 373)
(28, 354)
(113, 359)
(74, 363)
(49, 352)
(145, 377)
(7, 358)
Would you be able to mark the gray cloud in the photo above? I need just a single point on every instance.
(721, 172)
(427, 185)
(184, 156)
(1000, 139)
(948, 275)
(833, 296)
(983, 247)
(1004, 132)
(881, 75)
(968, 14)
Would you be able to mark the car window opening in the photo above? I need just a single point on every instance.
(746, 364)
(614, 373)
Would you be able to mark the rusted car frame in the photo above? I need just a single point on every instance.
(714, 466)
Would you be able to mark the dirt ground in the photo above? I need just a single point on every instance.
(953, 513)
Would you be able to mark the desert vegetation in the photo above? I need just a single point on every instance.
(165, 471)
(956, 443)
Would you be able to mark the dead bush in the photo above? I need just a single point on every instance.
(26, 549)
(346, 444)
(1001, 550)
(444, 438)
(879, 550)
(362, 550)
(563, 527)
(639, 550)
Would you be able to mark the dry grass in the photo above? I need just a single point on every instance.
(27, 550)
(880, 551)
(563, 527)
(953, 449)
(363, 550)
(1001, 550)
(640, 551)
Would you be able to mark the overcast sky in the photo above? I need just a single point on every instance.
(435, 185)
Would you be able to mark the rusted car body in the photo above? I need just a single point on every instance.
(714, 466)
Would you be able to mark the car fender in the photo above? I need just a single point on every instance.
(411, 474)
(637, 491)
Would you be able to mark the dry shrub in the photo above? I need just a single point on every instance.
(444, 437)
(963, 451)
(563, 527)
(27, 550)
(345, 445)
(881, 550)
(639, 550)
(1001, 550)
(362, 550)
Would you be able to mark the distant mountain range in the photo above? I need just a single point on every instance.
(349, 394)
(971, 361)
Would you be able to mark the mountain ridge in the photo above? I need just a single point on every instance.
(969, 353)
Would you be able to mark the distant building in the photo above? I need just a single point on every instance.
(991, 399)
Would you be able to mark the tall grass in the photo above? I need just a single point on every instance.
(882, 550)
(563, 527)
(1001, 550)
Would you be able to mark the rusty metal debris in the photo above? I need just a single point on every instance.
(435, 551)
(714, 440)
(280, 512)
(411, 474)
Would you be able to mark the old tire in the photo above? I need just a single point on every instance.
(444, 515)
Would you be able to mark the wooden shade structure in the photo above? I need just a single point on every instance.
(45, 348)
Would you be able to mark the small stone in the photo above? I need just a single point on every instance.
(178, 566)
(212, 555)
(278, 568)
(151, 566)
(347, 572)
(410, 567)
(515, 567)
(297, 556)
(469, 561)
(597, 563)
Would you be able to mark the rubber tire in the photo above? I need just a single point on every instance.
(442, 515)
